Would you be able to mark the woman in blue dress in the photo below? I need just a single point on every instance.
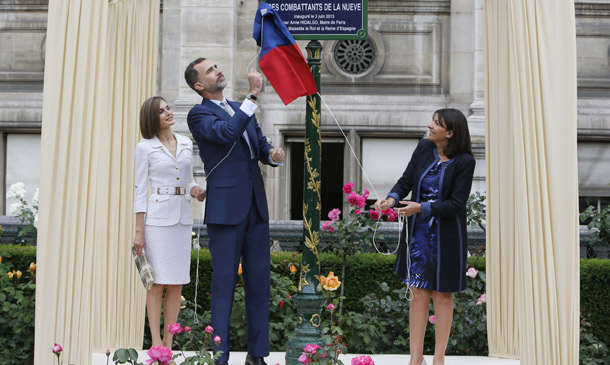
(433, 263)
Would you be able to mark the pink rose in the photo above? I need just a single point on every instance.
(432, 319)
(362, 360)
(358, 211)
(356, 200)
(160, 354)
(187, 329)
(334, 214)
(365, 193)
(328, 227)
(472, 272)
(482, 299)
(374, 214)
(348, 187)
(331, 307)
(175, 328)
(391, 213)
(209, 329)
(217, 339)
(311, 348)
(304, 359)
(108, 352)
(57, 348)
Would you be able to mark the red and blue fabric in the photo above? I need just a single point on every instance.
(281, 59)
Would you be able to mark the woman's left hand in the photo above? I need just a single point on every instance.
(409, 209)
(198, 193)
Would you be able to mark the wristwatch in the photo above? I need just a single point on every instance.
(251, 96)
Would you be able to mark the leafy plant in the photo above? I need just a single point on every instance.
(469, 329)
(282, 316)
(163, 355)
(592, 350)
(329, 354)
(354, 233)
(21, 209)
(599, 223)
(476, 210)
(383, 326)
(17, 298)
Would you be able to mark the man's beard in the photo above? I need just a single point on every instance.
(216, 87)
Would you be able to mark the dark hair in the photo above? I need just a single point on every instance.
(191, 75)
(454, 120)
(149, 117)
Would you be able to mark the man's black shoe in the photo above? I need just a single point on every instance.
(253, 360)
(217, 362)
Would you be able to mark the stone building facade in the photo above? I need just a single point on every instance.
(421, 55)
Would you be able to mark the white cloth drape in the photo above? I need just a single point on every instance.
(100, 66)
(532, 182)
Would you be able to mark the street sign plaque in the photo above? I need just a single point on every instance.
(323, 19)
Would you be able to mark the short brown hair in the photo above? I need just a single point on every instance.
(149, 117)
(191, 76)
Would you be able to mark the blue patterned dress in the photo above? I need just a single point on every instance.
(423, 241)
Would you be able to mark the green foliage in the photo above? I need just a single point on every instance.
(282, 313)
(592, 350)
(383, 326)
(469, 329)
(125, 356)
(475, 210)
(384, 304)
(17, 257)
(595, 296)
(599, 222)
(282, 316)
(21, 209)
(17, 300)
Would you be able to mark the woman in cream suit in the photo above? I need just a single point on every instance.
(164, 220)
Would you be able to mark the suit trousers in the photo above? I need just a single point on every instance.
(249, 241)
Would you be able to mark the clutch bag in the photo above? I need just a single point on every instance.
(144, 268)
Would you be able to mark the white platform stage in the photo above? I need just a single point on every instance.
(238, 358)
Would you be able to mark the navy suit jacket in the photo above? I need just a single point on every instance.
(449, 209)
(236, 180)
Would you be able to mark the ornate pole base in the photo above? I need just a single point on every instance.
(308, 331)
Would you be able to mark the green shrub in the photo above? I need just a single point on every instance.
(17, 298)
(365, 293)
(595, 296)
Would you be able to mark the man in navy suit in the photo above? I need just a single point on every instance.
(231, 145)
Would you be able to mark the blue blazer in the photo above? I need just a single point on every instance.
(449, 208)
(236, 180)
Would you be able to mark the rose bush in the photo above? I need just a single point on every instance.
(362, 360)
(159, 354)
(18, 298)
(354, 233)
(335, 346)
(163, 356)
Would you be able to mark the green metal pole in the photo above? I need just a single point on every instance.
(309, 299)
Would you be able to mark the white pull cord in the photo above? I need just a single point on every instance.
(401, 220)
(198, 247)
(363, 173)
(259, 48)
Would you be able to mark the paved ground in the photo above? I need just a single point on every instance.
(238, 358)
